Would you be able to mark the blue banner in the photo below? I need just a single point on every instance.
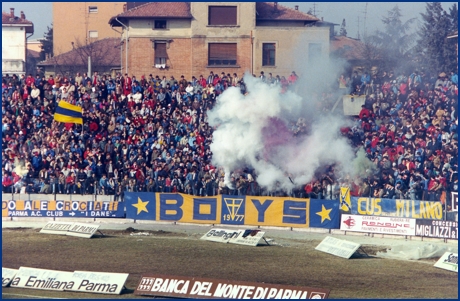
(397, 208)
(44, 208)
(324, 214)
(233, 210)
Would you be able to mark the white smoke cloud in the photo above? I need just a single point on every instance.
(253, 131)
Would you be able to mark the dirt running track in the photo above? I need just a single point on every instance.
(290, 260)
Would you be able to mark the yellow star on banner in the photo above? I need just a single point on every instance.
(141, 206)
(324, 213)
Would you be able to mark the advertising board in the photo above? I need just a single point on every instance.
(248, 237)
(56, 228)
(378, 224)
(436, 229)
(448, 261)
(338, 247)
(97, 282)
(192, 287)
(7, 276)
(455, 201)
(42, 279)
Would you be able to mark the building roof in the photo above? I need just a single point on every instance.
(351, 49)
(11, 19)
(176, 10)
(33, 53)
(105, 51)
(268, 11)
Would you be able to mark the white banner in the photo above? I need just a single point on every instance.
(83, 230)
(42, 279)
(96, 282)
(378, 224)
(56, 228)
(448, 261)
(70, 229)
(8, 275)
(338, 247)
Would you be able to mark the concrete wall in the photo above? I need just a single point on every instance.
(291, 46)
(13, 43)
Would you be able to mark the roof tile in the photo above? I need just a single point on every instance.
(267, 11)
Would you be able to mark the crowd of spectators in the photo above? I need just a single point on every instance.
(151, 134)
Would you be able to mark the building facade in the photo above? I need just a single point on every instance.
(172, 38)
(15, 32)
(82, 23)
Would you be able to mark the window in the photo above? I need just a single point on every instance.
(160, 24)
(314, 52)
(92, 9)
(268, 54)
(160, 53)
(222, 54)
(222, 15)
(93, 34)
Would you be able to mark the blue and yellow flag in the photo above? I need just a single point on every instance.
(324, 214)
(66, 112)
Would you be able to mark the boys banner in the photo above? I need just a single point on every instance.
(397, 208)
(233, 210)
(44, 208)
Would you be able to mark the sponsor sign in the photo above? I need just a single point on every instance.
(248, 237)
(191, 287)
(83, 230)
(338, 247)
(62, 208)
(56, 228)
(70, 229)
(448, 261)
(220, 235)
(96, 282)
(378, 224)
(42, 279)
(397, 208)
(436, 229)
(7, 276)
(455, 201)
(233, 210)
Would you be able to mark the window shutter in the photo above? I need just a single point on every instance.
(225, 51)
(223, 15)
(160, 50)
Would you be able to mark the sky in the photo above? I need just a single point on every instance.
(41, 14)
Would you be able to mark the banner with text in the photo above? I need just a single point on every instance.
(397, 208)
(233, 210)
(436, 229)
(454, 201)
(378, 224)
(201, 288)
(61, 208)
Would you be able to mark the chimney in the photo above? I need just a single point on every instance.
(276, 5)
(322, 18)
(125, 7)
(23, 16)
(296, 7)
(12, 12)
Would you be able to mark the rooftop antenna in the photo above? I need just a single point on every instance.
(314, 10)
(365, 19)
(358, 29)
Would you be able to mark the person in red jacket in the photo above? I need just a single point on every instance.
(7, 182)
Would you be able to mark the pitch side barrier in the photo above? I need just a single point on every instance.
(351, 214)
